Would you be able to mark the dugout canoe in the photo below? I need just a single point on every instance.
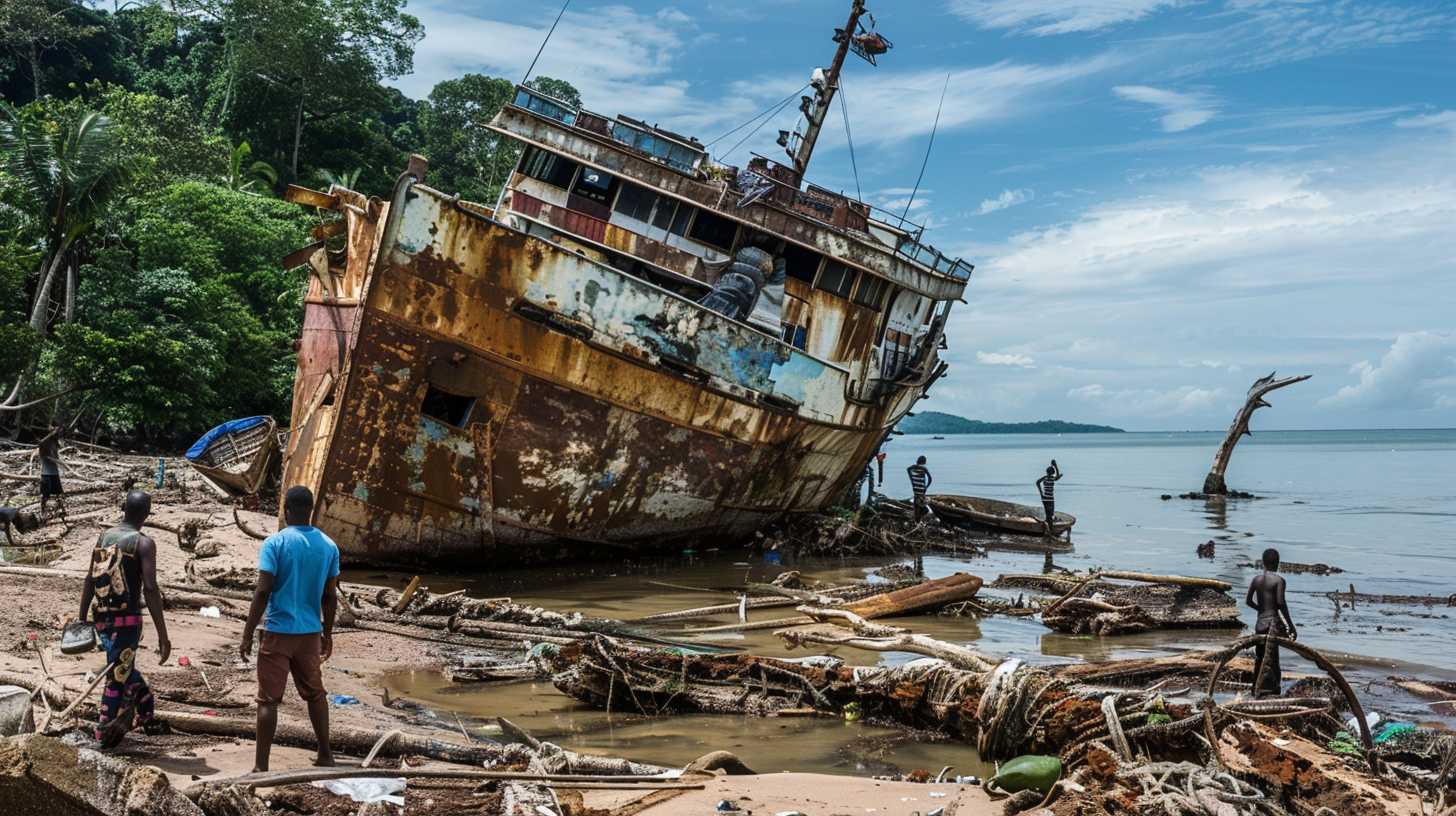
(997, 514)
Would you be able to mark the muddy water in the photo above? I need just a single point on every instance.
(1378, 504)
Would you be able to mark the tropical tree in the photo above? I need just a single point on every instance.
(67, 176)
(348, 178)
(242, 174)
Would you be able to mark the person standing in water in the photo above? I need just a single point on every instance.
(1266, 596)
(919, 483)
(1047, 487)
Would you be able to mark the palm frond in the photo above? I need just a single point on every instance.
(28, 155)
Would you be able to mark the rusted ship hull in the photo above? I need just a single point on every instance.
(584, 410)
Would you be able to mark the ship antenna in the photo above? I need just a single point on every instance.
(865, 45)
(928, 145)
(543, 42)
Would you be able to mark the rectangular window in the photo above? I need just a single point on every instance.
(663, 213)
(635, 201)
(595, 185)
(713, 230)
(681, 219)
(795, 336)
(837, 279)
(451, 409)
(548, 167)
(871, 291)
(801, 264)
(544, 106)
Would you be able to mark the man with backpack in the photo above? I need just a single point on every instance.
(123, 572)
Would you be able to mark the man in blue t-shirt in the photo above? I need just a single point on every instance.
(298, 578)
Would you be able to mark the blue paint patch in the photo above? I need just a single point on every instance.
(606, 480)
(361, 492)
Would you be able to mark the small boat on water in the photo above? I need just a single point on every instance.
(236, 454)
(997, 514)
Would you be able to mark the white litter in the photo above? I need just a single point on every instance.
(210, 612)
(366, 789)
(937, 794)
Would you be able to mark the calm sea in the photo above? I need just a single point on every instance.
(1381, 505)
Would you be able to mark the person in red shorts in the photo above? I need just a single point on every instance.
(298, 578)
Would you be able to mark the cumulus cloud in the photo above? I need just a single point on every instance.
(998, 358)
(1250, 227)
(1044, 17)
(1181, 111)
(1008, 198)
(1418, 371)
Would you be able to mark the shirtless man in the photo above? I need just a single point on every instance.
(1266, 596)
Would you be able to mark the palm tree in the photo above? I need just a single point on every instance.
(242, 175)
(348, 179)
(69, 175)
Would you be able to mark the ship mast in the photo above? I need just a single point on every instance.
(824, 95)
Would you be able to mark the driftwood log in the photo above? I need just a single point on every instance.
(1213, 484)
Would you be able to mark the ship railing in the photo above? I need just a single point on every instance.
(910, 246)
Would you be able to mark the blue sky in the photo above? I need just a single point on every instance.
(1164, 199)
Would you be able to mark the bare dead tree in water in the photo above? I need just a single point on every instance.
(1213, 484)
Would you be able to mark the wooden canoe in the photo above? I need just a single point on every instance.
(236, 455)
(997, 514)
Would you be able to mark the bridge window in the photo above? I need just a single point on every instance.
(545, 106)
(713, 230)
(595, 185)
(871, 291)
(795, 336)
(681, 219)
(548, 167)
(837, 279)
(636, 202)
(801, 264)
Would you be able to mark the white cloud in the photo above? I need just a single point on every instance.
(904, 102)
(1444, 119)
(1418, 371)
(1149, 402)
(619, 59)
(1043, 17)
(1008, 198)
(997, 358)
(1182, 111)
(1251, 227)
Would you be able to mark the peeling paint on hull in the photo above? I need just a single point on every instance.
(603, 413)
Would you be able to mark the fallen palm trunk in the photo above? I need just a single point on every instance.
(1298, 771)
(278, 779)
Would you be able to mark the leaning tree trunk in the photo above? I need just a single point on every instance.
(1213, 484)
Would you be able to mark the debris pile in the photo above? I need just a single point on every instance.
(1094, 604)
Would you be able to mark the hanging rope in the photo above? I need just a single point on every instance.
(770, 109)
(844, 109)
(760, 125)
(934, 127)
(543, 42)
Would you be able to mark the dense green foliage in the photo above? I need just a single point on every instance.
(935, 422)
(141, 152)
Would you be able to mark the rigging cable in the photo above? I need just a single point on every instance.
(770, 109)
(931, 144)
(543, 42)
(844, 109)
(766, 119)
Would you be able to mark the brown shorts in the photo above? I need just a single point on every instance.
(280, 655)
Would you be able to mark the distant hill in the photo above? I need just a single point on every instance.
(935, 422)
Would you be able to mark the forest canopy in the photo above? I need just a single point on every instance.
(142, 153)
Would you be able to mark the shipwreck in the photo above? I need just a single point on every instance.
(635, 346)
